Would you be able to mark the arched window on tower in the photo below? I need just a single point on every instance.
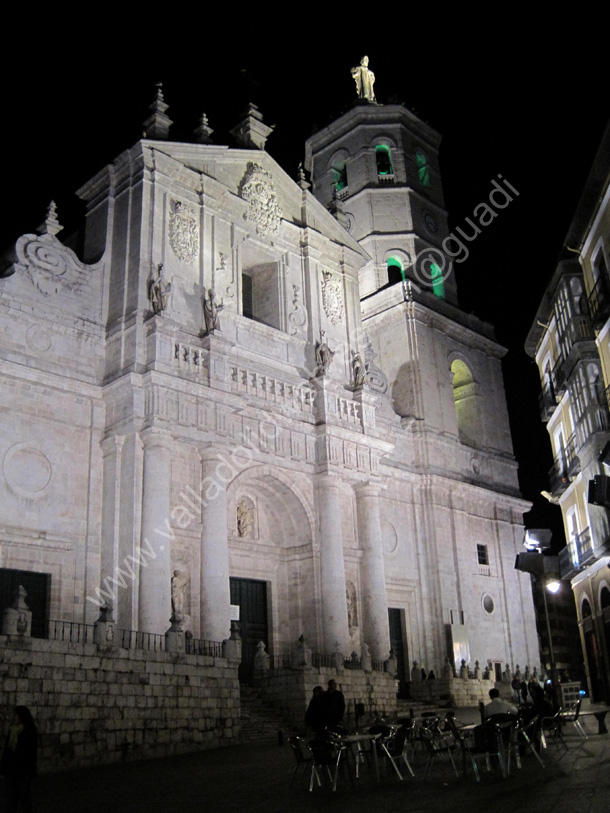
(437, 280)
(395, 271)
(465, 399)
(339, 173)
(423, 172)
(384, 160)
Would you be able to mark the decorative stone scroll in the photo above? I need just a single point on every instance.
(332, 297)
(183, 232)
(298, 317)
(258, 190)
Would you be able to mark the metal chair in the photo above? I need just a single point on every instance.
(552, 726)
(571, 716)
(486, 741)
(393, 745)
(304, 757)
(523, 732)
(437, 746)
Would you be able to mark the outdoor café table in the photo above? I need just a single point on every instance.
(357, 740)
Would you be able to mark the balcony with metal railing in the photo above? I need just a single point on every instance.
(599, 301)
(573, 342)
(572, 462)
(577, 554)
(547, 401)
(559, 478)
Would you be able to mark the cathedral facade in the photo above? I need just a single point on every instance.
(249, 397)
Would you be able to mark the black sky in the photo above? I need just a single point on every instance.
(525, 100)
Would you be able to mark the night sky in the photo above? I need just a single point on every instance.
(527, 101)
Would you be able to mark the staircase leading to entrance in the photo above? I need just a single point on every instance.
(259, 721)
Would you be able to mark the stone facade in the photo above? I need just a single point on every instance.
(225, 386)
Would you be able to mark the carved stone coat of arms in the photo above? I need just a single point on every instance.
(183, 232)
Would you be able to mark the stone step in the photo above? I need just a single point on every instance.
(258, 720)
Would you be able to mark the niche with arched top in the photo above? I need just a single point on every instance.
(465, 401)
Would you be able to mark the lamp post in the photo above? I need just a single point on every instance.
(552, 585)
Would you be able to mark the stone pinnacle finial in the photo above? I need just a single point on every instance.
(50, 224)
(157, 125)
(252, 132)
(203, 131)
(301, 179)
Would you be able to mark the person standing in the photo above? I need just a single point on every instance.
(334, 705)
(18, 763)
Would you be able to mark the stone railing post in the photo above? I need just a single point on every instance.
(231, 647)
(366, 662)
(261, 658)
(391, 664)
(103, 628)
(303, 653)
(175, 640)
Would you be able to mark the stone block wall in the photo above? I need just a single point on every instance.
(290, 690)
(451, 691)
(95, 706)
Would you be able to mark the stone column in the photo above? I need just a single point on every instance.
(374, 597)
(215, 594)
(335, 629)
(154, 605)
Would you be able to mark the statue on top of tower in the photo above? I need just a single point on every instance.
(364, 79)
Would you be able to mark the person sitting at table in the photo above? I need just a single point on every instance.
(498, 706)
(333, 705)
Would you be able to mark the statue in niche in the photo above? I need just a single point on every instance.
(352, 609)
(364, 79)
(359, 368)
(245, 519)
(324, 355)
(179, 585)
(211, 310)
(158, 290)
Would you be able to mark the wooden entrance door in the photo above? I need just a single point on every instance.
(251, 596)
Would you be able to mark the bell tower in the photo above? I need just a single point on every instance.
(376, 168)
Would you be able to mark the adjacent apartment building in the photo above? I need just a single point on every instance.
(570, 342)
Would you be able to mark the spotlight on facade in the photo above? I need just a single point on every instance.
(537, 539)
(553, 586)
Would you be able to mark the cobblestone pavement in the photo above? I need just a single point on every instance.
(256, 779)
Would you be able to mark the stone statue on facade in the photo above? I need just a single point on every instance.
(352, 612)
(245, 520)
(158, 290)
(364, 79)
(179, 583)
(359, 368)
(211, 311)
(324, 356)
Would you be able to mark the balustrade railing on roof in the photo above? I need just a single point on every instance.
(131, 639)
(71, 631)
(197, 646)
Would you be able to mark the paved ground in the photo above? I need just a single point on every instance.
(256, 779)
